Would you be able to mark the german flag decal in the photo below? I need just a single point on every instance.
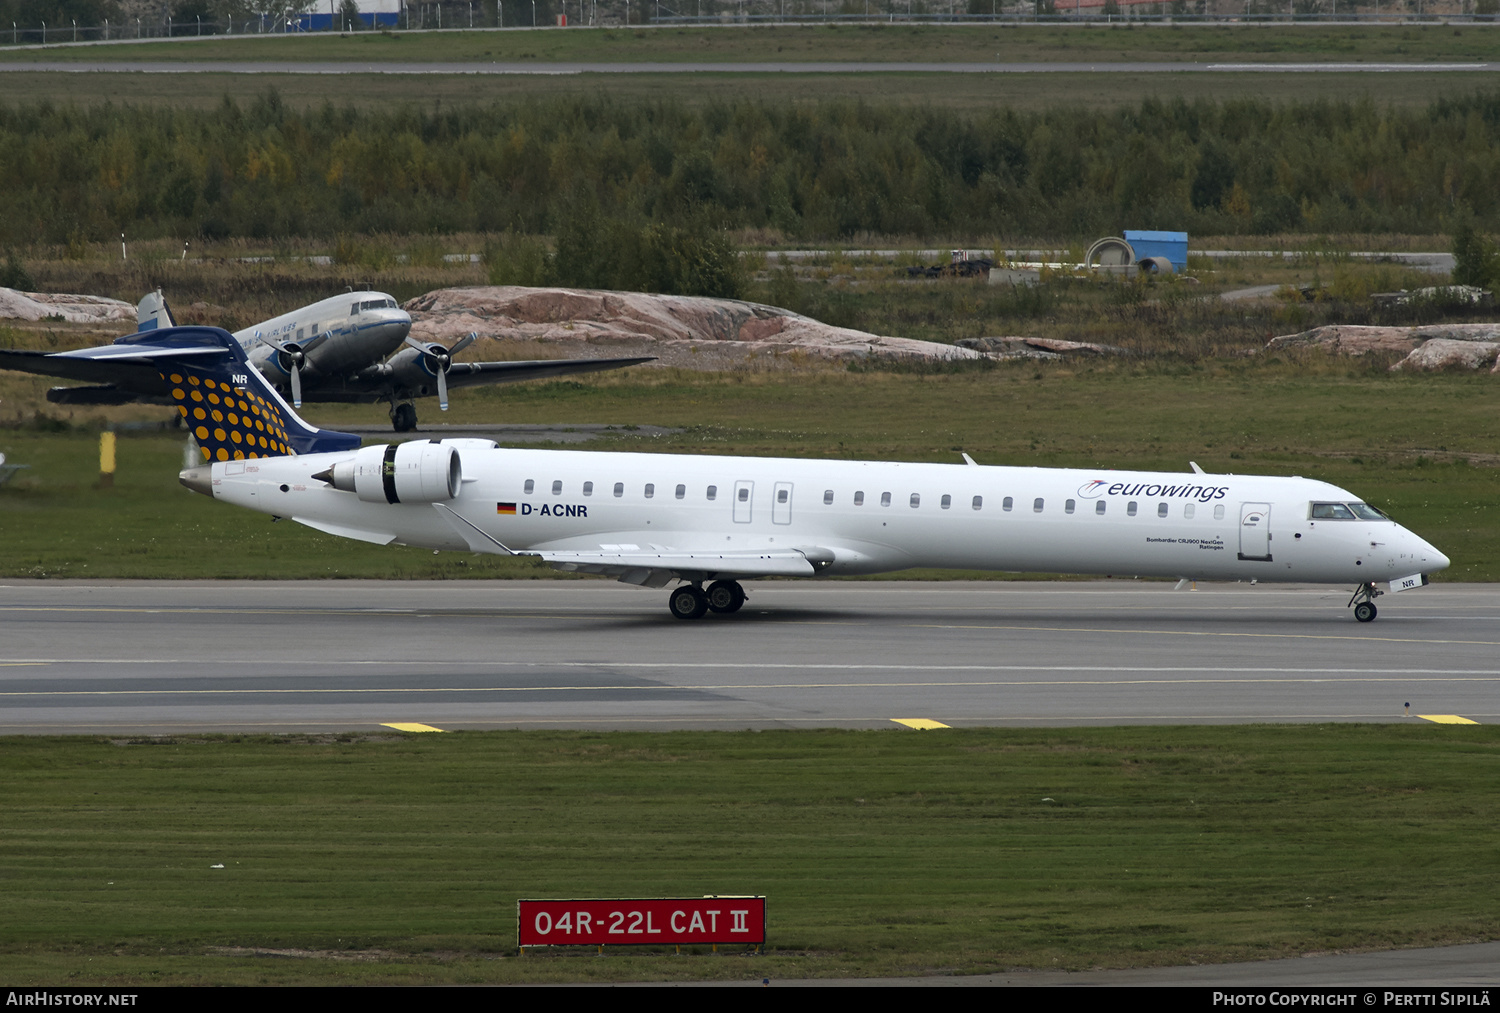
(505, 508)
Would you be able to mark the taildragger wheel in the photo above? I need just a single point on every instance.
(725, 596)
(404, 418)
(687, 602)
(1364, 602)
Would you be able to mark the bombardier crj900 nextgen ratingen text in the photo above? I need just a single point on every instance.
(711, 522)
(353, 348)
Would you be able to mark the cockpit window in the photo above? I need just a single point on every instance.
(1366, 512)
(1331, 512)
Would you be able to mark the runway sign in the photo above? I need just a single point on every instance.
(641, 922)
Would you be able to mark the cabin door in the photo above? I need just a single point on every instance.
(781, 504)
(1255, 532)
(744, 492)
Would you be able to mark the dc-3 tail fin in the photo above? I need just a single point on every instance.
(227, 405)
(153, 313)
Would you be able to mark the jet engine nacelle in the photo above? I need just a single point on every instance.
(416, 472)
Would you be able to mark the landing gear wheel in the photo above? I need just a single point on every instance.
(687, 602)
(404, 418)
(1364, 602)
(725, 596)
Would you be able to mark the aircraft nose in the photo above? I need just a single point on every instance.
(1431, 559)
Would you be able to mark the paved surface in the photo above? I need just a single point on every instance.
(828, 67)
(1444, 967)
(161, 657)
(526, 433)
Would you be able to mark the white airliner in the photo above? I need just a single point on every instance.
(652, 519)
(332, 351)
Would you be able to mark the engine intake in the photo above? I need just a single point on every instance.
(413, 472)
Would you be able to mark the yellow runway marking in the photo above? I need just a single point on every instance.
(1447, 719)
(409, 726)
(920, 724)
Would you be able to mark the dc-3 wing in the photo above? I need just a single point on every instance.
(127, 370)
(470, 374)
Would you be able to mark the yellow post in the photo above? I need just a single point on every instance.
(107, 459)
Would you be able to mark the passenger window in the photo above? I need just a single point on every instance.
(1068, 506)
(885, 499)
(1006, 504)
(557, 487)
(650, 489)
(1188, 511)
(681, 491)
(744, 495)
(1161, 509)
(781, 495)
(619, 489)
(859, 499)
(978, 502)
(946, 501)
(1130, 509)
(713, 492)
(916, 500)
(1037, 504)
(530, 486)
(1218, 511)
(588, 488)
(1099, 507)
(828, 497)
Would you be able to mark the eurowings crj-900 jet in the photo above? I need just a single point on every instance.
(332, 351)
(709, 523)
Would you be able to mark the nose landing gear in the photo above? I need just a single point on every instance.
(1364, 602)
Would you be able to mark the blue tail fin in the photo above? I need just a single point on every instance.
(234, 413)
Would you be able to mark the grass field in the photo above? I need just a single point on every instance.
(829, 43)
(363, 859)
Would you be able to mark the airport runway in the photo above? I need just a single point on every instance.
(160, 657)
(533, 67)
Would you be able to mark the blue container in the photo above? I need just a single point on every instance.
(1172, 245)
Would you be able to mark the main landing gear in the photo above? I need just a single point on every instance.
(404, 417)
(692, 602)
(1364, 602)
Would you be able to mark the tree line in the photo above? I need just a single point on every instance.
(818, 172)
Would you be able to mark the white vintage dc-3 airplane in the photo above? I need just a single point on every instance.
(652, 519)
(332, 351)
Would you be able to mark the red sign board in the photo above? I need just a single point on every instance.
(641, 922)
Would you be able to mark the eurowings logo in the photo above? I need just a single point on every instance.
(1090, 490)
(1202, 493)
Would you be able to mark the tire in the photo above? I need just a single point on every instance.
(404, 418)
(1365, 612)
(725, 596)
(687, 602)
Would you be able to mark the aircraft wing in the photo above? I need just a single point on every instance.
(471, 374)
(652, 565)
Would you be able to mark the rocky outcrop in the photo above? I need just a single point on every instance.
(1039, 348)
(1447, 353)
(75, 309)
(1431, 346)
(687, 331)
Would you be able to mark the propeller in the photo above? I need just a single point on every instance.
(439, 360)
(292, 357)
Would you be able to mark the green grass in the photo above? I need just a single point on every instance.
(1405, 443)
(384, 858)
(824, 43)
